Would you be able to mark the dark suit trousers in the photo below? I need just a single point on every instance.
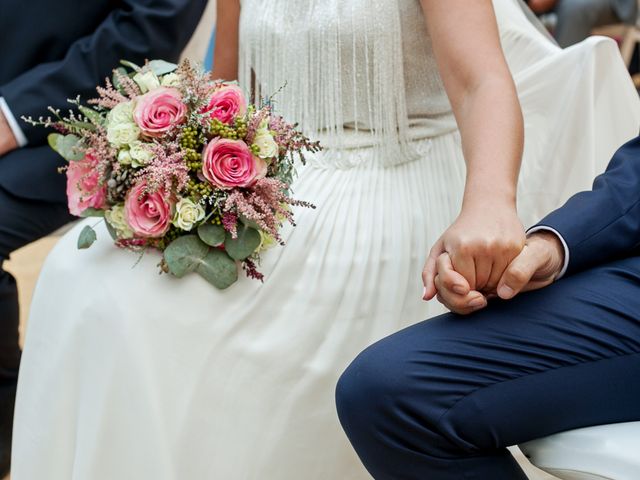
(22, 221)
(442, 399)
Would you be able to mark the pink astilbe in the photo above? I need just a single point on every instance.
(167, 170)
(251, 270)
(265, 203)
(109, 97)
(195, 84)
(99, 147)
(230, 223)
(131, 88)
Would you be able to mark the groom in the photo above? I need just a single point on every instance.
(443, 399)
(53, 51)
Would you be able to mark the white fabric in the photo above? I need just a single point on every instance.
(127, 374)
(13, 123)
(565, 263)
(593, 453)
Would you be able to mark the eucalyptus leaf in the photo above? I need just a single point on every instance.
(92, 212)
(218, 269)
(131, 65)
(116, 81)
(67, 146)
(245, 244)
(212, 235)
(86, 238)
(161, 67)
(111, 230)
(184, 254)
(93, 116)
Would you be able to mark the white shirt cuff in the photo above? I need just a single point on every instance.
(13, 123)
(564, 245)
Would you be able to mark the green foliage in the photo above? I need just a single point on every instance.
(92, 212)
(68, 146)
(130, 65)
(218, 269)
(190, 254)
(184, 254)
(212, 235)
(86, 238)
(94, 117)
(161, 67)
(247, 242)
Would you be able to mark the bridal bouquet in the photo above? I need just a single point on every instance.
(180, 163)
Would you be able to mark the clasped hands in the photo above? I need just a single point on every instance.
(485, 254)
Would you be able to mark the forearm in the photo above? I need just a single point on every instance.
(491, 126)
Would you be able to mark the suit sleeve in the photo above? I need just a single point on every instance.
(603, 224)
(135, 31)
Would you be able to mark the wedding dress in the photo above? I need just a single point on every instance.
(127, 374)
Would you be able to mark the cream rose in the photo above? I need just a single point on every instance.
(140, 154)
(121, 113)
(146, 81)
(124, 157)
(116, 218)
(267, 146)
(123, 134)
(188, 213)
(170, 80)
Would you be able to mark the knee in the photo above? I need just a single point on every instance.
(363, 392)
(391, 390)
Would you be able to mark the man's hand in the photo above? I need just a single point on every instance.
(537, 266)
(8, 141)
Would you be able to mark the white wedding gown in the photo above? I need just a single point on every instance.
(127, 374)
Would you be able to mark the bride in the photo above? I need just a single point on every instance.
(127, 375)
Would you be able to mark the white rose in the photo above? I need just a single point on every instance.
(121, 113)
(188, 213)
(170, 80)
(118, 221)
(268, 148)
(123, 134)
(146, 81)
(140, 154)
(124, 157)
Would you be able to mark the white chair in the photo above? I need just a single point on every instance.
(606, 452)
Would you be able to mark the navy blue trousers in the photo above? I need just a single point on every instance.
(442, 400)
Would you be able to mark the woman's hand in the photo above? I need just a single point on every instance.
(538, 265)
(481, 243)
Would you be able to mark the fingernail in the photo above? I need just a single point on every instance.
(505, 291)
(424, 293)
(477, 302)
(460, 290)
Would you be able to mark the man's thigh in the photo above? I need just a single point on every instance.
(556, 359)
(23, 221)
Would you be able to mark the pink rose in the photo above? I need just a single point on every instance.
(229, 163)
(159, 110)
(148, 214)
(83, 186)
(226, 103)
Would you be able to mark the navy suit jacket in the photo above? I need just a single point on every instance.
(51, 51)
(603, 224)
